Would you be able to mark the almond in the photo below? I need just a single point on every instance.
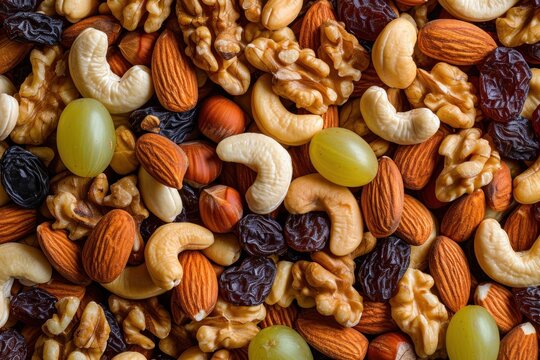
(137, 47)
(198, 292)
(499, 190)
(382, 199)
(277, 315)
(450, 271)
(464, 216)
(416, 224)
(522, 228)
(455, 42)
(318, 14)
(174, 78)
(519, 344)
(64, 255)
(11, 52)
(16, 222)
(331, 117)
(499, 302)
(162, 158)
(391, 346)
(106, 251)
(106, 23)
(59, 288)
(376, 318)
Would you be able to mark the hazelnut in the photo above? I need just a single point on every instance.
(119, 65)
(220, 117)
(137, 47)
(221, 208)
(204, 164)
(391, 346)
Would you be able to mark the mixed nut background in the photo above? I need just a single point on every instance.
(360, 171)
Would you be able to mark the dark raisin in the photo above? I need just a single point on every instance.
(536, 3)
(365, 19)
(531, 52)
(307, 232)
(380, 270)
(24, 177)
(190, 203)
(149, 225)
(504, 84)
(33, 27)
(177, 126)
(33, 306)
(249, 283)
(14, 6)
(528, 302)
(294, 256)
(535, 121)
(12, 345)
(260, 235)
(116, 343)
(515, 139)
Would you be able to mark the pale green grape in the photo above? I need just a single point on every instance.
(343, 157)
(472, 335)
(279, 342)
(85, 137)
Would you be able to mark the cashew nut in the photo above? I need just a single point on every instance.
(477, 10)
(163, 247)
(269, 159)
(163, 201)
(75, 10)
(277, 14)
(314, 193)
(527, 185)
(275, 120)
(134, 283)
(403, 128)
(129, 355)
(93, 77)
(21, 262)
(9, 107)
(392, 53)
(500, 262)
(533, 97)
(6, 86)
(225, 250)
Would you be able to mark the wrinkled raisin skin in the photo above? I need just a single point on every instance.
(115, 343)
(504, 84)
(531, 52)
(249, 283)
(365, 19)
(190, 203)
(177, 126)
(307, 232)
(380, 270)
(33, 306)
(12, 345)
(14, 6)
(515, 139)
(33, 27)
(260, 235)
(535, 121)
(528, 302)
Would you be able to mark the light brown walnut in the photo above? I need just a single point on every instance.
(282, 292)
(66, 309)
(520, 25)
(93, 330)
(124, 160)
(178, 340)
(131, 12)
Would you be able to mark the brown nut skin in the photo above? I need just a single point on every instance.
(220, 117)
(464, 216)
(221, 208)
(205, 166)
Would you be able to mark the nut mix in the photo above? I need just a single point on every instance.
(269, 179)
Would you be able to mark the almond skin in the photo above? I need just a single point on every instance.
(60, 288)
(376, 318)
(318, 14)
(449, 268)
(205, 164)
(107, 249)
(277, 315)
(499, 302)
(137, 47)
(16, 222)
(499, 190)
(106, 23)
(464, 216)
(522, 228)
(519, 344)
(416, 224)
(11, 52)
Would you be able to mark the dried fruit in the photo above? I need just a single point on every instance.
(307, 232)
(260, 235)
(528, 301)
(365, 18)
(515, 139)
(33, 27)
(33, 306)
(177, 126)
(14, 6)
(12, 345)
(116, 343)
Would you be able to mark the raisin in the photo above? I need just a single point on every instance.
(515, 139)
(249, 283)
(535, 121)
(115, 343)
(24, 177)
(33, 306)
(14, 6)
(531, 52)
(380, 270)
(260, 235)
(504, 84)
(294, 256)
(365, 19)
(528, 302)
(33, 27)
(177, 126)
(190, 203)
(12, 345)
(307, 232)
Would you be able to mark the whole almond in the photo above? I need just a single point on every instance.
(106, 23)
(376, 318)
(107, 249)
(12, 52)
(277, 315)
(319, 13)
(173, 75)
(382, 199)
(162, 158)
(60, 288)
(450, 271)
(499, 190)
(16, 222)
(464, 216)
(522, 228)
(519, 344)
(499, 302)
(416, 224)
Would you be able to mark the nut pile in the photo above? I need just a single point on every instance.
(269, 180)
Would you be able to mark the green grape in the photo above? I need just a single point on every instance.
(472, 335)
(85, 137)
(279, 342)
(343, 157)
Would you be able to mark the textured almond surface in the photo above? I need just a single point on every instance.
(464, 216)
(519, 344)
(522, 228)
(106, 23)
(376, 318)
(16, 222)
(499, 302)
(318, 14)
(416, 224)
(61, 289)
(11, 52)
(499, 190)
(277, 315)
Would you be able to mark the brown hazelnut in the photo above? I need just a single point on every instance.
(220, 117)
(119, 65)
(391, 346)
(137, 47)
(221, 208)
(204, 164)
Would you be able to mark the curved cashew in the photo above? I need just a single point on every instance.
(277, 14)
(477, 10)
(21, 262)
(275, 120)
(392, 53)
(314, 193)
(74, 11)
(527, 185)
(497, 258)
(269, 159)
(134, 283)
(129, 355)
(163, 201)
(403, 128)
(9, 107)
(163, 247)
(93, 77)
(533, 98)
(6, 86)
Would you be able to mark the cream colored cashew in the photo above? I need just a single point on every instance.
(6, 86)
(403, 128)
(225, 250)
(93, 77)
(269, 159)
(129, 355)
(163, 201)
(500, 262)
(163, 247)
(392, 53)
(277, 14)
(23, 262)
(9, 107)
(314, 193)
(276, 121)
(527, 185)
(533, 97)
(134, 283)
(75, 10)
(477, 10)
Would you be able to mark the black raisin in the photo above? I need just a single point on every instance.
(33, 306)
(33, 27)
(12, 345)
(261, 235)
(307, 232)
(528, 302)
(177, 126)
(515, 139)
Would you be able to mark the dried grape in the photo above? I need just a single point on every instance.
(528, 302)
(12, 345)
(531, 52)
(33, 27)
(515, 139)
(249, 283)
(535, 121)
(177, 126)
(307, 232)
(365, 19)
(261, 235)
(190, 204)
(115, 343)
(33, 306)
(504, 84)
(14, 6)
